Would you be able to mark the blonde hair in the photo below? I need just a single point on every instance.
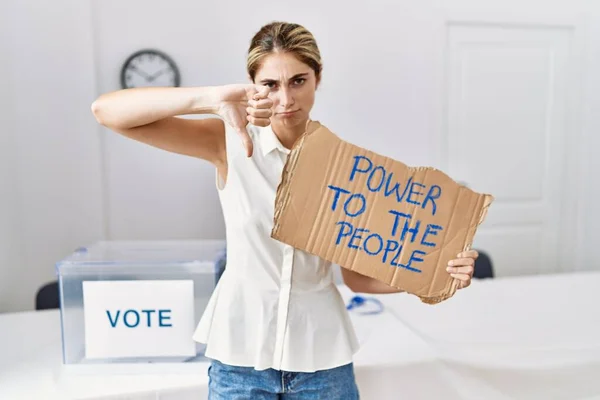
(285, 37)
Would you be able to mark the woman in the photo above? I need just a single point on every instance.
(276, 326)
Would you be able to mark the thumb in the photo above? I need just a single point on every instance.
(246, 140)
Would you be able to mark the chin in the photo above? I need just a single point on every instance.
(292, 120)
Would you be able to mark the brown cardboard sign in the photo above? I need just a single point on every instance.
(374, 215)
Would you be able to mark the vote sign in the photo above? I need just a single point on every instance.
(152, 318)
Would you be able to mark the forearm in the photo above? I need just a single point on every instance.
(364, 284)
(131, 108)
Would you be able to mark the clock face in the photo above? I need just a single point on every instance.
(149, 68)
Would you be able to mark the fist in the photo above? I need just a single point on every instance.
(463, 267)
(240, 104)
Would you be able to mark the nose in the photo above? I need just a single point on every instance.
(286, 98)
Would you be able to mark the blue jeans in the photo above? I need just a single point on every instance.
(235, 383)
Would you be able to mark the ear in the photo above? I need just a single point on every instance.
(249, 78)
(318, 81)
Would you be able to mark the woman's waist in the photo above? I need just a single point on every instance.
(274, 281)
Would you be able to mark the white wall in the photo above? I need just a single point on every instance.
(587, 253)
(53, 191)
(72, 182)
(9, 228)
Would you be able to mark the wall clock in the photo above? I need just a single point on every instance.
(149, 67)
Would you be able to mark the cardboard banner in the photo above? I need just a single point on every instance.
(374, 215)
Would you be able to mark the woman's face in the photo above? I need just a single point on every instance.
(293, 85)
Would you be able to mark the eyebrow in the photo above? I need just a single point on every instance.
(266, 80)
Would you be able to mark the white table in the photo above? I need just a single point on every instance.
(513, 338)
(30, 366)
(535, 337)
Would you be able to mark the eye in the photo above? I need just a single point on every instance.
(299, 81)
(270, 84)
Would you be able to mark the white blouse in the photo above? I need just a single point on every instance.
(274, 306)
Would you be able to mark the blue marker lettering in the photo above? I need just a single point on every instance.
(397, 256)
(362, 208)
(371, 175)
(434, 193)
(398, 215)
(338, 190)
(355, 169)
(413, 258)
(373, 235)
(412, 186)
(356, 236)
(391, 245)
(430, 230)
(341, 233)
(406, 229)
(395, 188)
(408, 184)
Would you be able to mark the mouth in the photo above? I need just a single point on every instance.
(288, 113)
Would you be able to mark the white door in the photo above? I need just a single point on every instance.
(506, 130)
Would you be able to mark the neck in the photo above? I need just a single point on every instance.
(288, 135)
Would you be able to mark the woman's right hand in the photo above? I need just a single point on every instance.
(239, 104)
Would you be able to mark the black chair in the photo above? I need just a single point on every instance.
(483, 266)
(47, 297)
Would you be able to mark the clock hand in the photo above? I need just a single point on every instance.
(159, 73)
(140, 72)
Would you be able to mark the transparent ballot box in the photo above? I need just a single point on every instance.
(124, 302)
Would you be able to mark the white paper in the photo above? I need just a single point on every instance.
(139, 318)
